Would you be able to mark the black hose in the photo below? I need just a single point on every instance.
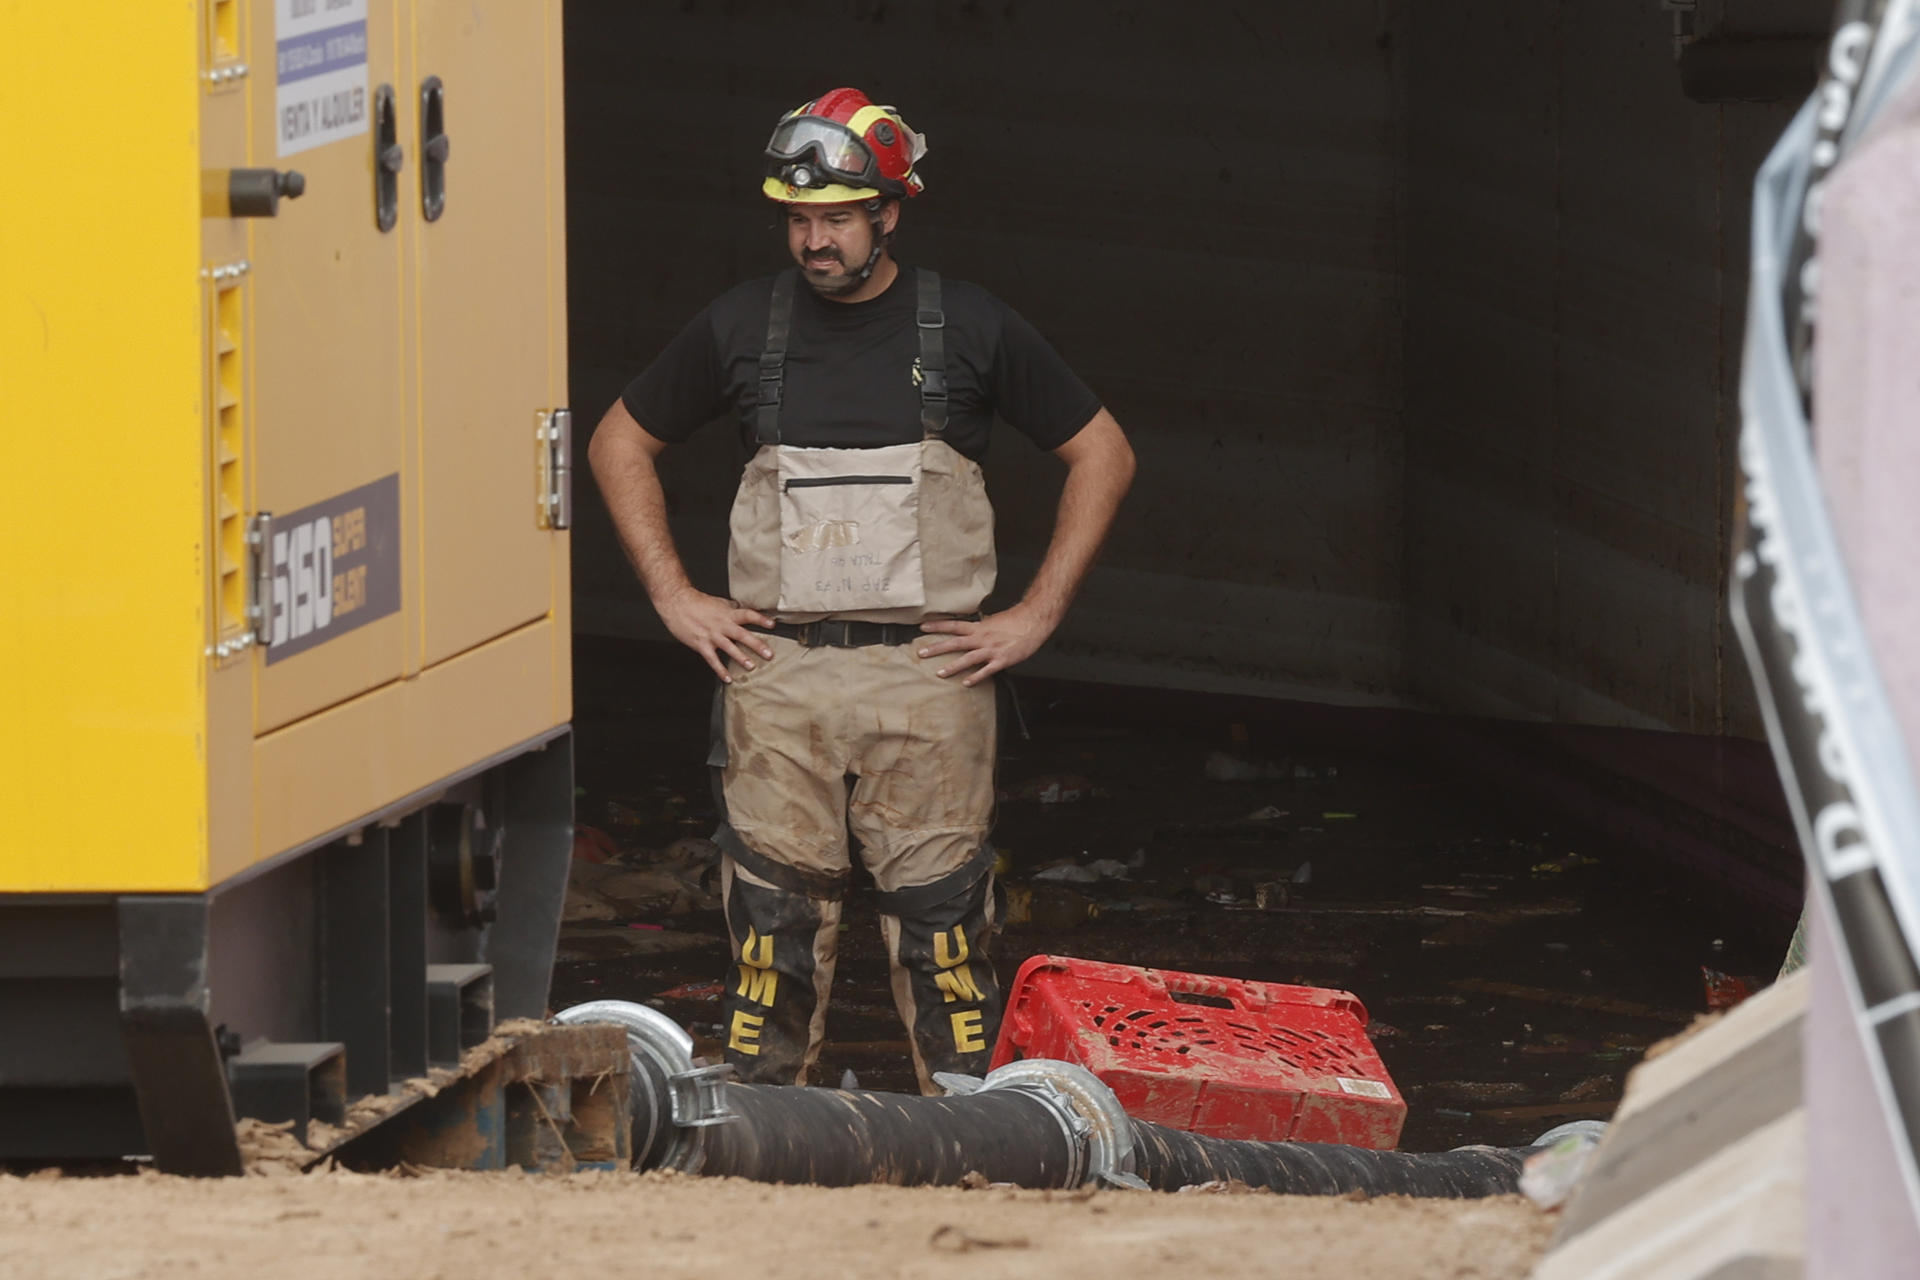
(1034, 1123)
(841, 1138)
(1168, 1159)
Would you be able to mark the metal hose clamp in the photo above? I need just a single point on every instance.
(1091, 1115)
(694, 1099)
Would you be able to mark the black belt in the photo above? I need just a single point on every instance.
(841, 633)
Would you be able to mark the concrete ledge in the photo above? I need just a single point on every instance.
(1737, 1215)
(1702, 1173)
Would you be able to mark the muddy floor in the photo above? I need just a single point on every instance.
(458, 1226)
(1514, 966)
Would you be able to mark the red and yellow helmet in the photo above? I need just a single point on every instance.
(842, 147)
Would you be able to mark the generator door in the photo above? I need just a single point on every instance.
(319, 339)
(491, 310)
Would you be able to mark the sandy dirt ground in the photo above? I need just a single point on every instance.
(457, 1226)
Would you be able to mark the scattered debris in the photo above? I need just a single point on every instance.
(269, 1149)
(951, 1239)
(1213, 887)
(1089, 873)
(1462, 931)
(1054, 906)
(1553, 1110)
(1572, 1000)
(625, 815)
(1566, 862)
(1227, 1187)
(1225, 766)
(1556, 1044)
(591, 844)
(1591, 1088)
(1551, 1174)
(1055, 788)
(608, 943)
(584, 904)
(1477, 1091)
(1724, 990)
(663, 889)
(694, 991)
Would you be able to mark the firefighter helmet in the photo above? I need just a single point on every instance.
(842, 147)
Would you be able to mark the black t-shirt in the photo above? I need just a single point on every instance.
(850, 372)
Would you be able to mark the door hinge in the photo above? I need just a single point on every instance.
(553, 433)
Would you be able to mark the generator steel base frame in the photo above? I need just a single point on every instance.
(125, 1014)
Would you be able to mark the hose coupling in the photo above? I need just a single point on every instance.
(678, 1092)
(1095, 1122)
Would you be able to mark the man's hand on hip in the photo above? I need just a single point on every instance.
(715, 629)
(996, 642)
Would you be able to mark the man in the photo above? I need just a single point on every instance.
(852, 650)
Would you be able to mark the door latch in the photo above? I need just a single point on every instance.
(433, 148)
(388, 157)
(260, 577)
(553, 435)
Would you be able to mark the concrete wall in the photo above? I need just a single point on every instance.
(1424, 318)
(1576, 260)
(1198, 204)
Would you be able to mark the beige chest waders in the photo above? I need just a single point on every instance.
(898, 533)
(852, 548)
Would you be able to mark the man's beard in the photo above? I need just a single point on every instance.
(825, 283)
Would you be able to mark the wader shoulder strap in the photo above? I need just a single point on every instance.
(773, 358)
(932, 323)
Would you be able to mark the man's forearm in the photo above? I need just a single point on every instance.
(622, 455)
(629, 481)
(1100, 470)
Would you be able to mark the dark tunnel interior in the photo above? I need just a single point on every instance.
(1424, 323)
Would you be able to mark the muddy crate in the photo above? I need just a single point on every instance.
(1209, 1055)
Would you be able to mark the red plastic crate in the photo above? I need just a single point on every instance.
(1209, 1055)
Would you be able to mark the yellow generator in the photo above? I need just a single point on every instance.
(286, 782)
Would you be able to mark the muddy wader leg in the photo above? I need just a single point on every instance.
(943, 980)
(782, 803)
(774, 1008)
(921, 808)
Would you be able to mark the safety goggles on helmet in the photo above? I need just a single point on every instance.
(831, 150)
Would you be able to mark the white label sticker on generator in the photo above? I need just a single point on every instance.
(1365, 1088)
(320, 73)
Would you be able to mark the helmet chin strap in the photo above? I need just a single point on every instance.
(879, 240)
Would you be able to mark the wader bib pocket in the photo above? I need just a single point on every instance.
(897, 533)
(850, 529)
